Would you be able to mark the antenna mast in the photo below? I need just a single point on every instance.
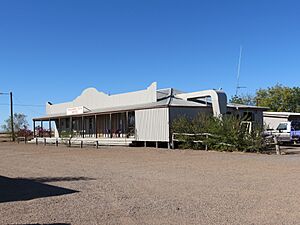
(238, 72)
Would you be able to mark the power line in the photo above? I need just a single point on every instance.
(25, 105)
(32, 106)
(21, 103)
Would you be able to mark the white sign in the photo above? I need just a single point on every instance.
(75, 110)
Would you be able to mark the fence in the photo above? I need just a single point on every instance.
(5, 137)
(205, 135)
(67, 142)
(270, 140)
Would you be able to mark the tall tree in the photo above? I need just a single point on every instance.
(279, 98)
(20, 122)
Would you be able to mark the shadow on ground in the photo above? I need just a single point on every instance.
(42, 224)
(57, 179)
(20, 189)
(290, 149)
(286, 150)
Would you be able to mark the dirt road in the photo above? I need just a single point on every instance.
(118, 185)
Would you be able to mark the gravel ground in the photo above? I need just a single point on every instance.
(119, 185)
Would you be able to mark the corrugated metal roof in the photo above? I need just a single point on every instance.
(234, 105)
(280, 114)
(162, 103)
(165, 98)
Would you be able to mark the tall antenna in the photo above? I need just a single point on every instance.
(238, 72)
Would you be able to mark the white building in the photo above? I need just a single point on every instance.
(141, 116)
(272, 119)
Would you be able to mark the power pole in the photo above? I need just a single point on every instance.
(11, 114)
(12, 117)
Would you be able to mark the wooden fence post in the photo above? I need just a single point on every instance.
(277, 147)
(206, 146)
(173, 146)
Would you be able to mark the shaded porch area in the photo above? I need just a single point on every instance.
(106, 125)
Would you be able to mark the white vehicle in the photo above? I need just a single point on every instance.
(287, 131)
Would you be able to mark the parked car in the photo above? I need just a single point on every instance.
(287, 131)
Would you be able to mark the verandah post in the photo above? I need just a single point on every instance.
(34, 129)
(96, 126)
(71, 126)
(59, 127)
(126, 125)
(82, 123)
(50, 128)
(110, 126)
(42, 128)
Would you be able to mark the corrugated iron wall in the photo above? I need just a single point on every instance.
(177, 112)
(152, 124)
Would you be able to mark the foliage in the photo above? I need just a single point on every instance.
(41, 132)
(65, 134)
(279, 98)
(20, 122)
(243, 99)
(226, 134)
(24, 132)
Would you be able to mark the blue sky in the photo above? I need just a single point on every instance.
(52, 50)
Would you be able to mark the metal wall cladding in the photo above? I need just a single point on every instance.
(273, 122)
(152, 124)
(190, 113)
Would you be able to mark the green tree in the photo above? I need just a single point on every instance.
(20, 122)
(296, 99)
(243, 99)
(279, 98)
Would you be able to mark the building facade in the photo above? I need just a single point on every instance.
(273, 119)
(141, 116)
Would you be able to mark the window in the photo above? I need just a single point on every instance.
(248, 116)
(282, 126)
(296, 125)
(131, 119)
(67, 123)
(131, 123)
(90, 123)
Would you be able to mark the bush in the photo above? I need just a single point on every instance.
(226, 134)
(41, 132)
(24, 132)
(65, 134)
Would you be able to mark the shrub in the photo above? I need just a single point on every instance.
(224, 134)
(24, 132)
(41, 132)
(65, 134)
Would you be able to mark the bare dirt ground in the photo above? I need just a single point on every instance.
(118, 185)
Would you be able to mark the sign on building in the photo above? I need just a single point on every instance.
(75, 110)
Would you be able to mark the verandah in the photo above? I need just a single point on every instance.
(109, 125)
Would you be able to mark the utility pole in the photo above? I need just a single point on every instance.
(12, 116)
